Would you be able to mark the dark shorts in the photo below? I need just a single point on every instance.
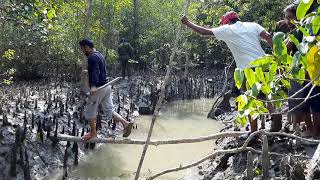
(295, 87)
(314, 103)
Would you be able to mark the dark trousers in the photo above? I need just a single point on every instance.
(124, 66)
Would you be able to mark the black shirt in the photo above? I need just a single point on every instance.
(97, 69)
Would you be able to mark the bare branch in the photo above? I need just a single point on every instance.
(304, 101)
(238, 150)
(63, 137)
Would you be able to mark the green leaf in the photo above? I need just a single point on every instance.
(304, 31)
(303, 61)
(260, 74)
(242, 101)
(289, 60)
(242, 120)
(250, 76)
(303, 7)
(301, 75)
(238, 77)
(269, 77)
(256, 89)
(258, 171)
(316, 25)
(280, 49)
(51, 14)
(262, 61)
(278, 103)
(273, 68)
(286, 83)
(293, 39)
(282, 94)
(266, 89)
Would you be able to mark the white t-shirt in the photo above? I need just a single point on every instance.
(243, 39)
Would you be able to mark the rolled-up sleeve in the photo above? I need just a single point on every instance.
(219, 32)
(93, 70)
(259, 28)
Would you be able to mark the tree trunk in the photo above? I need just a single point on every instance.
(84, 76)
(135, 30)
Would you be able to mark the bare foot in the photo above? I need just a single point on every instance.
(88, 136)
(127, 130)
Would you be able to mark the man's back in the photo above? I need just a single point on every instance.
(97, 69)
(125, 49)
(243, 39)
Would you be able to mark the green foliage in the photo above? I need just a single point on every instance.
(238, 77)
(303, 8)
(6, 74)
(9, 54)
(271, 75)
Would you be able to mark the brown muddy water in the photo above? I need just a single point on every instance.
(179, 119)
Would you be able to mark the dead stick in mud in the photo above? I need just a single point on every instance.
(243, 148)
(162, 93)
(63, 137)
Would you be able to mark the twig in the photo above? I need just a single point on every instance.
(237, 150)
(304, 101)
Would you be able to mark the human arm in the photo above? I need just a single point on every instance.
(94, 71)
(131, 51)
(267, 37)
(198, 29)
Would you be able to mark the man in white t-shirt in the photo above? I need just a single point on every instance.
(243, 39)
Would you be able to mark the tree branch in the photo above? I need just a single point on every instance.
(238, 150)
(62, 137)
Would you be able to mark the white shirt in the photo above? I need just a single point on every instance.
(243, 39)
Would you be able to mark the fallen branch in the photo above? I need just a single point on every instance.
(63, 137)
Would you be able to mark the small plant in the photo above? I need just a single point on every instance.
(7, 75)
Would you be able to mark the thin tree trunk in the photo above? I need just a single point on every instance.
(162, 93)
(84, 76)
(135, 30)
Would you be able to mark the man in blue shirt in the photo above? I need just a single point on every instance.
(97, 77)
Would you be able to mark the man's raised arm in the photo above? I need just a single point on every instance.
(199, 29)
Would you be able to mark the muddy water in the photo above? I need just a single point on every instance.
(180, 119)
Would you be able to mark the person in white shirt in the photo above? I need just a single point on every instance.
(243, 39)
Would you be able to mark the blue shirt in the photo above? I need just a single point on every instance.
(97, 69)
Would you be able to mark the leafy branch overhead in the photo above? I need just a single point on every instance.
(271, 75)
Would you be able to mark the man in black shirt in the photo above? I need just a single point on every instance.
(125, 51)
(97, 78)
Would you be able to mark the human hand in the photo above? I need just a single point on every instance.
(84, 72)
(93, 91)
